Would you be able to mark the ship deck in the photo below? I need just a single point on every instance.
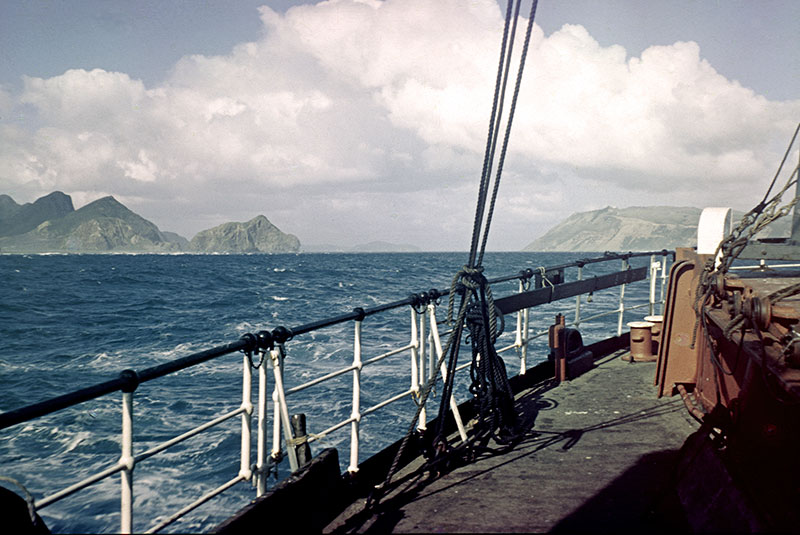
(599, 454)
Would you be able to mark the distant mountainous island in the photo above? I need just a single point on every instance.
(51, 224)
(638, 228)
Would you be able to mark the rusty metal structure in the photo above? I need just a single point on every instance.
(734, 359)
(731, 348)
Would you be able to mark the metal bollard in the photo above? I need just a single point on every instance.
(655, 330)
(301, 440)
(559, 348)
(641, 342)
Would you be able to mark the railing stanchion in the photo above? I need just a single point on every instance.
(437, 341)
(414, 353)
(261, 446)
(432, 356)
(423, 415)
(520, 340)
(577, 321)
(277, 368)
(126, 460)
(356, 414)
(526, 316)
(276, 453)
(654, 267)
(662, 298)
(625, 266)
(245, 470)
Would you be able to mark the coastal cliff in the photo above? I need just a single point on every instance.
(638, 228)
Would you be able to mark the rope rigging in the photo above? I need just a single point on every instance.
(476, 309)
(753, 222)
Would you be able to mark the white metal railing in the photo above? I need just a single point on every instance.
(424, 331)
(763, 265)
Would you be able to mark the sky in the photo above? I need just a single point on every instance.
(351, 121)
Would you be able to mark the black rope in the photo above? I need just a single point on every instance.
(511, 111)
(490, 384)
(494, 120)
(780, 167)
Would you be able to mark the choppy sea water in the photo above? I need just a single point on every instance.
(68, 321)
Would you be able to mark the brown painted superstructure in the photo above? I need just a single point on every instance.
(734, 357)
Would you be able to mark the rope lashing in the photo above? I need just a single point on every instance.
(543, 273)
(472, 279)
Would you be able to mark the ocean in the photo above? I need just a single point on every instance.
(68, 321)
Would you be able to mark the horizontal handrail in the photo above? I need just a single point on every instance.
(72, 489)
(350, 368)
(128, 380)
(197, 503)
(187, 435)
(756, 267)
(528, 273)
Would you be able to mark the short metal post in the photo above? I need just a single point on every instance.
(557, 345)
(261, 447)
(356, 413)
(126, 460)
(621, 299)
(302, 449)
(245, 470)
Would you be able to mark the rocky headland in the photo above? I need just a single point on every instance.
(638, 228)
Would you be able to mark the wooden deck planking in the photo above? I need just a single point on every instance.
(598, 455)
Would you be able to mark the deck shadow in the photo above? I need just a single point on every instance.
(641, 500)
